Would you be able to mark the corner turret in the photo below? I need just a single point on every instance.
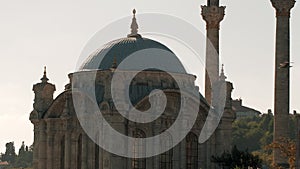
(43, 96)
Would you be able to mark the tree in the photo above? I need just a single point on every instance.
(24, 158)
(287, 148)
(237, 159)
(10, 154)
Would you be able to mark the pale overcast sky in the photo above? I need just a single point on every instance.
(34, 33)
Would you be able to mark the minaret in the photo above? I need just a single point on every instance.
(213, 14)
(282, 74)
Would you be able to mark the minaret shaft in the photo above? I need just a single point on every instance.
(213, 15)
(282, 74)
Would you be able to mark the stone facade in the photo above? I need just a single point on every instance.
(60, 142)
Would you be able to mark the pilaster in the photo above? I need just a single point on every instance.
(42, 145)
(35, 160)
(50, 142)
(84, 151)
(68, 143)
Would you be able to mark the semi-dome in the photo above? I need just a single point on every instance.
(114, 52)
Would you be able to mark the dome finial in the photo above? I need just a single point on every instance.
(44, 79)
(134, 26)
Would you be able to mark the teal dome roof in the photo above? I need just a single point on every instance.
(113, 53)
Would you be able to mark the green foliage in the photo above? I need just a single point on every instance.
(22, 160)
(256, 133)
(237, 159)
(247, 133)
(10, 153)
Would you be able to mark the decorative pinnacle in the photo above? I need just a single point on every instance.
(134, 26)
(222, 75)
(222, 69)
(44, 79)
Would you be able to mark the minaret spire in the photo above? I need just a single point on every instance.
(134, 26)
(212, 2)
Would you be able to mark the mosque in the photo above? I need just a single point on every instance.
(60, 142)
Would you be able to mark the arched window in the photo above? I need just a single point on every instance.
(139, 147)
(62, 153)
(165, 159)
(79, 151)
(191, 151)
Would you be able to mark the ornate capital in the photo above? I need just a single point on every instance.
(283, 7)
(213, 15)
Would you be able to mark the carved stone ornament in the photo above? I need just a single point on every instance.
(283, 7)
(213, 15)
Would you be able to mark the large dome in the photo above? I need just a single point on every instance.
(116, 51)
(113, 53)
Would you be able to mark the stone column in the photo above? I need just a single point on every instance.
(282, 73)
(42, 145)
(213, 15)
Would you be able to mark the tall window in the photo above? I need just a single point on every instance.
(62, 153)
(191, 151)
(97, 156)
(79, 151)
(97, 152)
(165, 159)
(139, 147)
